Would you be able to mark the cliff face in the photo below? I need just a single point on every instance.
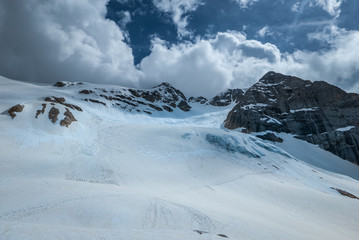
(317, 112)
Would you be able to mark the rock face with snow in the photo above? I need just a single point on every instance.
(314, 111)
(162, 98)
(57, 105)
(227, 97)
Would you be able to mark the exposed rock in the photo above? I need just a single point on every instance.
(60, 84)
(158, 98)
(84, 91)
(69, 118)
(155, 107)
(183, 105)
(311, 110)
(222, 235)
(53, 113)
(200, 231)
(62, 101)
(200, 99)
(227, 97)
(344, 144)
(95, 101)
(345, 193)
(42, 111)
(167, 108)
(66, 84)
(16, 108)
(270, 137)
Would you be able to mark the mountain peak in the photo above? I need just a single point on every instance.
(311, 110)
(269, 74)
(164, 84)
(272, 77)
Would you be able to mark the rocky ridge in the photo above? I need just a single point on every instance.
(161, 98)
(317, 112)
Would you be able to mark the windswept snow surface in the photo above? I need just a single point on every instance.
(116, 175)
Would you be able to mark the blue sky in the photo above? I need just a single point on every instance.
(286, 24)
(199, 46)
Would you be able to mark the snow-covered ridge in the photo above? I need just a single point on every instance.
(161, 101)
(120, 174)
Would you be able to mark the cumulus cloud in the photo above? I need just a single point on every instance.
(178, 9)
(48, 41)
(231, 60)
(208, 66)
(338, 65)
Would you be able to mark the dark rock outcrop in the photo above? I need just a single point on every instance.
(62, 101)
(270, 137)
(42, 111)
(227, 97)
(94, 101)
(313, 111)
(53, 113)
(159, 98)
(17, 108)
(66, 84)
(69, 118)
(85, 91)
(200, 99)
(183, 105)
(60, 84)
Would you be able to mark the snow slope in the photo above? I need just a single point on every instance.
(117, 175)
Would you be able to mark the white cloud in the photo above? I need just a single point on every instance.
(125, 18)
(196, 69)
(295, 7)
(208, 66)
(328, 35)
(178, 8)
(245, 3)
(331, 6)
(264, 31)
(48, 41)
(231, 60)
(339, 65)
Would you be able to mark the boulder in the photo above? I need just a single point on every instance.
(17, 108)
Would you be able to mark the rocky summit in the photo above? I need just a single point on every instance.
(317, 112)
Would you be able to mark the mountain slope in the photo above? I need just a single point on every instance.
(317, 112)
(113, 174)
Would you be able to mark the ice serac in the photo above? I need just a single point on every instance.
(317, 112)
